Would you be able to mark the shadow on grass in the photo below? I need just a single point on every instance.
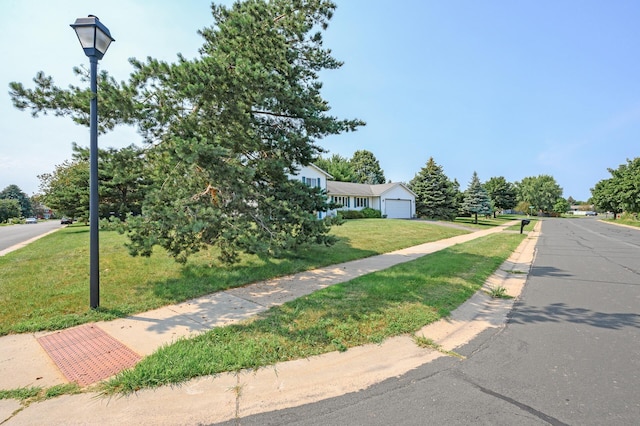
(368, 309)
(199, 279)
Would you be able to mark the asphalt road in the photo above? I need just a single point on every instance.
(17, 234)
(570, 353)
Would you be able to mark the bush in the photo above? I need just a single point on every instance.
(351, 214)
(366, 213)
(370, 213)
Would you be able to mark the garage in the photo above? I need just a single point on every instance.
(398, 209)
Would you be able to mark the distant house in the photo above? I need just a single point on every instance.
(394, 200)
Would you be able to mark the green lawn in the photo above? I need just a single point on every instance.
(368, 309)
(45, 286)
(625, 220)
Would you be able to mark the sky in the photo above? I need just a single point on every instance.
(501, 88)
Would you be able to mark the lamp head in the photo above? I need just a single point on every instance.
(93, 35)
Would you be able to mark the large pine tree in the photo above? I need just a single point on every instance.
(226, 129)
(435, 193)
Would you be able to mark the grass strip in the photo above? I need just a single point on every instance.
(369, 309)
(45, 286)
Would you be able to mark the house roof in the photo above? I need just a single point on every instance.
(320, 170)
(361, 189)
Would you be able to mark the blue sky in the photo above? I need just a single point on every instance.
(503, 88)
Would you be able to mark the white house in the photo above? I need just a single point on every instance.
(313, 176)
(394, 200)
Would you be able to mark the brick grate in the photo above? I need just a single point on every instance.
(87, 354)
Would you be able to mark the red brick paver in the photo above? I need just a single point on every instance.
(87, 354)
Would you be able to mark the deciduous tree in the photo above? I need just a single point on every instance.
(541, 192)
(561, 206)
(621, 192)
(13, 192)
(66, 189)
(501, 192)
(9, 208)
(337, 166)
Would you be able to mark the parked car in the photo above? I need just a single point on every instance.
(31, 220)
(66, 221)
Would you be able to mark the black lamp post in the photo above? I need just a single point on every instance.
(95, 40)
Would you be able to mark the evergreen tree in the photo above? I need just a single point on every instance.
(226, 130)
(122, 179)
(476, 199)
(366, 168)
(435, 193)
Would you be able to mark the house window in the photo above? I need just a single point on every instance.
(312, 182)
(343, 201)
(362, 202)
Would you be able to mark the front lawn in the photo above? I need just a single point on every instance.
(45, 286)
(368, 309)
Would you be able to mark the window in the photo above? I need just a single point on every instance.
(361, 202)
(312, 182)
(343, 201)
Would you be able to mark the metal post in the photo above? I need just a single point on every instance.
(94, 255)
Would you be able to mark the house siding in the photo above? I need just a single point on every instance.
(315, 177)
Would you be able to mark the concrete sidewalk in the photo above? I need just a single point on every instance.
(23, 362)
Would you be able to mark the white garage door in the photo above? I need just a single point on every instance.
(398, 209)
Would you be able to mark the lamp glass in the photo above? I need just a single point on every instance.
(102, 40)
(86, 35)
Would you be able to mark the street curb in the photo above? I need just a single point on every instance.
(25, 243)
(230, 396)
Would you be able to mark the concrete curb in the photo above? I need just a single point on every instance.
(227, 396)
(25, 243)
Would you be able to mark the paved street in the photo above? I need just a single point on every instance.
(570, 353)
(18, 234)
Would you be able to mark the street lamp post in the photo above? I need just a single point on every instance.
(95, 40)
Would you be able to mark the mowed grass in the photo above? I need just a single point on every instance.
(45, 286)
(369, 309)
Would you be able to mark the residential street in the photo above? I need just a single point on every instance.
(18, 234)
(570, 353)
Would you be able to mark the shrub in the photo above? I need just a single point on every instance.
(352, 214)
(370, 213)
(366, 213)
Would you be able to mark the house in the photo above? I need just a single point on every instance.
(394, 200)
(313, 176)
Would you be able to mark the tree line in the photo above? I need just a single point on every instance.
(621, 192)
